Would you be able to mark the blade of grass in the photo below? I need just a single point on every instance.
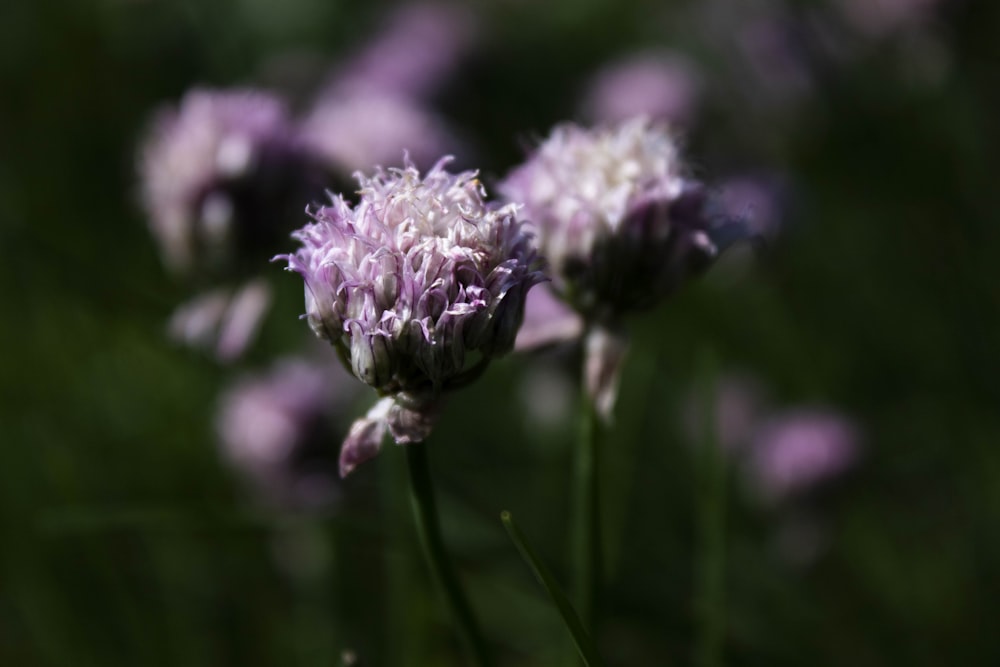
(584, 644)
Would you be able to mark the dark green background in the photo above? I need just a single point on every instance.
(125, 541)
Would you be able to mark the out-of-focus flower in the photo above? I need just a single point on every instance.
(617, 219)
(660, 85)
(797, 450)
(621, 226)
(354, 132)
(374, 107)
(547, 321)
(781, 452)
(417, 49)
(218, 175)
(222, 320)
(274, 429)
(418, 287)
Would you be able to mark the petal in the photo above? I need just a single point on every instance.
(364, 440)
(547, 321)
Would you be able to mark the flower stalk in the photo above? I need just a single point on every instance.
(429, 529)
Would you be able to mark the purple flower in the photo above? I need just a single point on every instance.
(661, 85)
(222, 320)
(617, 219)
(621, 226)
(547, 321)
(273, 429)
(417, 286)
(797, 450)
(418, 48)
(217, 172)
(352, 132)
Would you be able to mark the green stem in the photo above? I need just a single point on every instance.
(428, 526)
(711, 522)
(587, 558)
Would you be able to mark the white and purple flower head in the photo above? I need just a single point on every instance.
(218, 175)
(621, 226)
(617, 218)
(417, 286)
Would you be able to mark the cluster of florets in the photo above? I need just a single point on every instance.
(617, 218)
(418, 286)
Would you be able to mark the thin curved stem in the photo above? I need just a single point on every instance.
(428, 526)
(581, 639)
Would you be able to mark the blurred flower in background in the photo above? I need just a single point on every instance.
(416, 52)
(223, 176)
(547, 321)
(277, 429)
(783, 454)
(621, 225)
(798, 450)
(662, 85)
(361, 129)
(374, 106)
(218, 173)
(618, 220)
(223, 321)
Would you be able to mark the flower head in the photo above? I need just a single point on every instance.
(621, 226)
(418, 286)
(217, 172)
(617, 218)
